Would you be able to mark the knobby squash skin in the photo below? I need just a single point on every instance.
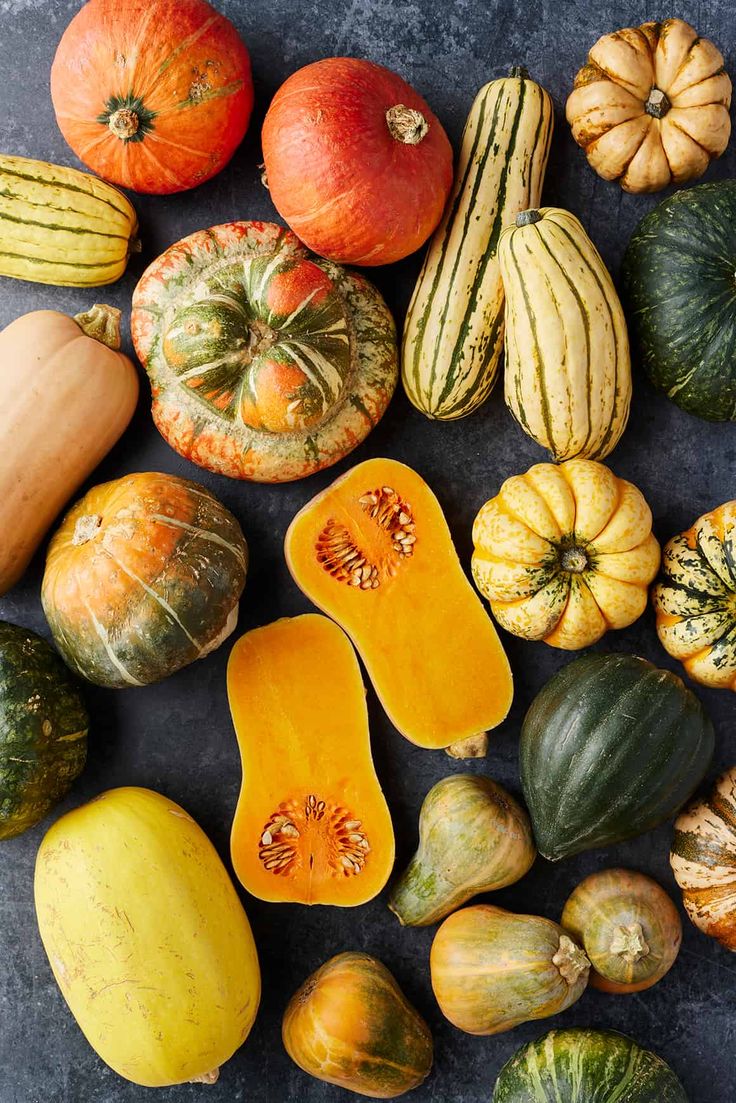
(88, 228)
(563, 553)
(453, 331)
(610, 748)
(350, 1024)
(695, 598)
(312, 825)
(143, 576)
(678, 278)
(266, 363)
(579, 1066)
(73, 394)
(473, 837)
(628, 926)
(146, 938)
(493, 970)
(374, 552)
(568, 367)
(703, 860)
(43, 729)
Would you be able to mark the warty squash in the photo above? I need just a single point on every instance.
(311, 825)
(568, 367)
(563, 553)
(374, 552)
(147, 938)
(453, 331)
(266, 363)
(143, 576)
(73, 394)
(695, 599)
(650, 106)
(703, 860)
(350, 1024)
(62, 226)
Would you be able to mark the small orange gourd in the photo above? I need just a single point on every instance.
(312, 825)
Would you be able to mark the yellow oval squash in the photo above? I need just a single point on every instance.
(147, 938)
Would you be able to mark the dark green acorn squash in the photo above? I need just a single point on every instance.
(43, 729)
(679, 282)
(586, 1066)
(610, 748)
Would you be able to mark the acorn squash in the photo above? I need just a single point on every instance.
(311, 825)
(374, 552)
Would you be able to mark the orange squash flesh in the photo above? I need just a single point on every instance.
(312, 825)
(374, 552)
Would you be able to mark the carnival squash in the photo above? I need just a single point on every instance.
(265, 363)
(43, 729)
(568, 369)
(473, 837)
(629, 927)
(563, 553)
(374, 552)
(586, 1066)
(147, 938)
(610, 748)
(312, 825)
(143, 576)
(703, 860)
(453, 332)
(356, 163)
(153, 96)
(350, 1024)
(650, 106)
(678, 282)
(493, 970)
(695, 599)
(62, 226)
(73, 394)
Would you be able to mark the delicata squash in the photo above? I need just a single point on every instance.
(312, 825)
(374, 552)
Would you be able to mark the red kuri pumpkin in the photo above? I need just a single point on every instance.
(154, 95)
(356, 162)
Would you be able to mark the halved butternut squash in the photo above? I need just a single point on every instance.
(374, 552)
(312, 825)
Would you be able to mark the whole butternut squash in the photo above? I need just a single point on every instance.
(69, 396)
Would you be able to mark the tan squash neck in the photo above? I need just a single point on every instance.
(406, 125)
(475, 746)
(102, 322)
(571, 961)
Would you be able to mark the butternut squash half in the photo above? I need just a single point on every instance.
(374, 552)
(312, 825)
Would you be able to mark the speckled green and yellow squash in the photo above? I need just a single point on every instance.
(266, 362)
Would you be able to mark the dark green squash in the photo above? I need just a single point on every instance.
(679, 282)
(586, 1066)
(43, 729)
(610, 748)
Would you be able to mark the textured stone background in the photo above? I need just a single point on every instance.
(177, 736)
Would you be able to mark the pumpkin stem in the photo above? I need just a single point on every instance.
(571, 961)
(657, 105)
(476, 746)
(629, 943)
(528, 218)
(102, 322)
(519, 71)
(406, 124)
(210, 1077)
(574, 560)
(124, 123)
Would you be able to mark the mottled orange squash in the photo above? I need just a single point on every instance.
(312, 825)
(374, 552)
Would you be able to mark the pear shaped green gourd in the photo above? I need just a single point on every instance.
(473, 837)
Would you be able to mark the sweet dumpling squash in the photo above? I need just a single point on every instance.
(375, 553)
(312, 825)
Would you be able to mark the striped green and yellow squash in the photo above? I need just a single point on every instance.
(568, 368)
(453, 333)
(62, 226)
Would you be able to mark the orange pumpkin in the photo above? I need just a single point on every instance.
(153, 96)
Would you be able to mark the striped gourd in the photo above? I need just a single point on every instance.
(453, 333)
(568, 369)
(62, 226)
